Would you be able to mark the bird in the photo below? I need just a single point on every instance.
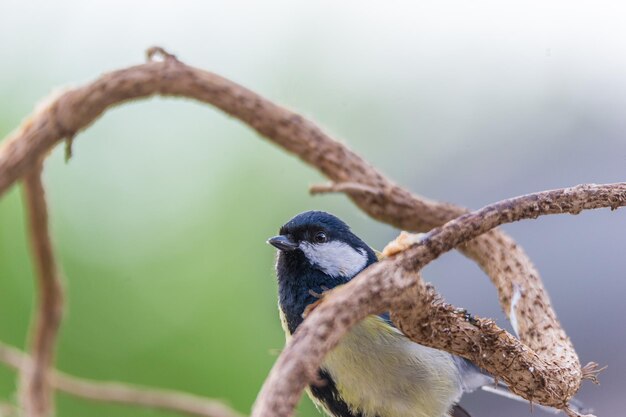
(375, 370)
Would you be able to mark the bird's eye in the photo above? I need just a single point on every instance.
(320, 237)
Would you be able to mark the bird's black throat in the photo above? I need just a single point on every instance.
(299, 284)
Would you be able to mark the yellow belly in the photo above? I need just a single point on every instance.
(379, 372)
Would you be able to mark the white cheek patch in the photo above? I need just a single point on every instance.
(334, 258)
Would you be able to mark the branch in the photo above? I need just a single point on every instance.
(550, 376)
(497, 254)
(114, 392)
(507, 265)
(36, 394)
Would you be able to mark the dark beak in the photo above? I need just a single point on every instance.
(282, 243)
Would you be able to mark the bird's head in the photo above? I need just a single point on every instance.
(319, 241)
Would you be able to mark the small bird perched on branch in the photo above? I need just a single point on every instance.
(375, 371)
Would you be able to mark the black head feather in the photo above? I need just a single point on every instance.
(304, 224)
(299, 280)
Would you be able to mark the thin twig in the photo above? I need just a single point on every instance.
(549, 377)
(36, 394)
(114, 392)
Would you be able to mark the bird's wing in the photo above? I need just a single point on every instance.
(474, 377)
(503, 391)
(387, 319)
(458, 411)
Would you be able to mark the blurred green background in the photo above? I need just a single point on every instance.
(160, 218)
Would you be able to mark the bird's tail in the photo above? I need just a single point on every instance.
(473, 378)
(502, 390)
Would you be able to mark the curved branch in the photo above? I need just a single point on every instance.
(36, 393)
(115, 392)
(550, 376)
(497, 254)
(65, 115)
